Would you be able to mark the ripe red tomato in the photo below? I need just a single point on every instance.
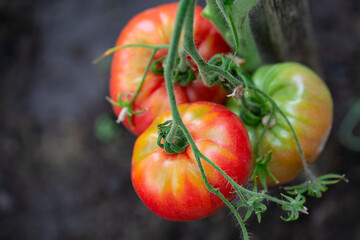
(154, 27)
(171, 184)
(306, 101)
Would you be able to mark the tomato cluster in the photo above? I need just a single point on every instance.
(171, 183)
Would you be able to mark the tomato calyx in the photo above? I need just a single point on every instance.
(183, 72)
(255, 206)
(172, 139)
(316, 187)
(255, 110)
(158, 66)
(228, 63)
(261, 169)
(296, 206)
(126, 105)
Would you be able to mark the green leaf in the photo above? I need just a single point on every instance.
(238, 15)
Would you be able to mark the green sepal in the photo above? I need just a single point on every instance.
(262, 170)
(179, 142)
(315, 187)
(125, 104)
(154, 67)
(295, 206)
(249, 118)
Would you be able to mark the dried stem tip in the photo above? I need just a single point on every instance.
(238, 92)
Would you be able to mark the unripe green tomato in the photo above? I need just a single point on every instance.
(306, 101)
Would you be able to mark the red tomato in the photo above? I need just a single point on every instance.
(171, 184)
(154, 27)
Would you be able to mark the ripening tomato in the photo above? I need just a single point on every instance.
(307, 103)
(171, 184)
(155, 27)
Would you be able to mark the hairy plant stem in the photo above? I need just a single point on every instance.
(257, 145)
(210, 188)
(183, 61)
(171, 135)
(190, 47)
(188, 14)
(185, 16)
(144, 76)
(226, 13)
(114, 49)
(174, 42)
(154, 48)
(239, 187)
(206, 68)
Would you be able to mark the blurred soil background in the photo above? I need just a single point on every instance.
(65, 165)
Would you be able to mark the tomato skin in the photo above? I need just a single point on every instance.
(154, 27)
(306, 101)
(170, 185)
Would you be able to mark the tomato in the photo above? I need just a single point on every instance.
(154, 27)
(307, 103)
(171, 184)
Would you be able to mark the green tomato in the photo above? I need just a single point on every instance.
(305, 100)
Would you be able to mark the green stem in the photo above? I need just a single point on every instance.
(144, 76)
(128, 107)
(210, 188)
(177, 121)
(174, 42)
(183, 61)
(190, 47)
(204, 68)
(212, 68)
(302, 156)
(209, 67)
(114, 49)
(225, 10)
(171, 135)
(185, 15)
(236, 185)
(257, 145)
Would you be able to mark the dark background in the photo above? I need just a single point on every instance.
(62, 177)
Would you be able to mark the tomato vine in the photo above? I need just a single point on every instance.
(222, 70)
(250, 198)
